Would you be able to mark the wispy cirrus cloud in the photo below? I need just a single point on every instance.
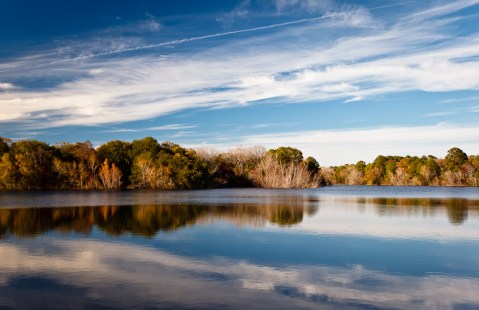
(464, 99)
(443, 9)
(155, 128)
(268, 65)
(239, 12)
(101, 45)
(444, 113)
(309, 6)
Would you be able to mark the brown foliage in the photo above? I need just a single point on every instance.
(110, 176)
(270, 173)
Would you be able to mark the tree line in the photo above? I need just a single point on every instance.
(456, 169)
(148, 164)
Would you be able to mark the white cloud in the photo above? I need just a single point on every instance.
(11, 116)
(95, 71)
(474, 109)
(240, 12)
(445, 113)
(443, 9)
(337, 147)
(454, 100)
(151, 25)
(172, 127)
(308, 6)
(156, 128)
(378, 61)
(6, 86)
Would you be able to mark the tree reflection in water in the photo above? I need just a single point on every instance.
(145, 220)
(457, 209)
(148, 220)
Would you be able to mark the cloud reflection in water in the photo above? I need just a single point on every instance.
(124, 275)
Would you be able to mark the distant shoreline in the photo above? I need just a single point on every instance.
(147, 164)
(218, 188)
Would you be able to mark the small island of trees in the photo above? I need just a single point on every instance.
(456, 169)
(148, 164)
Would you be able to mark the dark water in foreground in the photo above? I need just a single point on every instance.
(337, 247)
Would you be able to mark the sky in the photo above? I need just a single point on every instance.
(341, 80)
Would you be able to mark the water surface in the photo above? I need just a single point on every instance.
(336, 247)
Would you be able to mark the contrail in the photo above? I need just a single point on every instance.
(224, 34)
(215, 35)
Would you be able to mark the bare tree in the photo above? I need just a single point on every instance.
(270, 173)
(354, 176)
(245, 159)
(110, 176)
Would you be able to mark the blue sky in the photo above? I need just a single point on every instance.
(342, 81)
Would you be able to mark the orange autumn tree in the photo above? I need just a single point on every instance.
(110, 176)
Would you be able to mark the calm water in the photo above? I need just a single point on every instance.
(336, 247)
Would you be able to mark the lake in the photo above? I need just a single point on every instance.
(340, 247)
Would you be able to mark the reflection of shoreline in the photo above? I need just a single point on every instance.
(457, 209)
(409, 219)
(146, 220)
(380, 217)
